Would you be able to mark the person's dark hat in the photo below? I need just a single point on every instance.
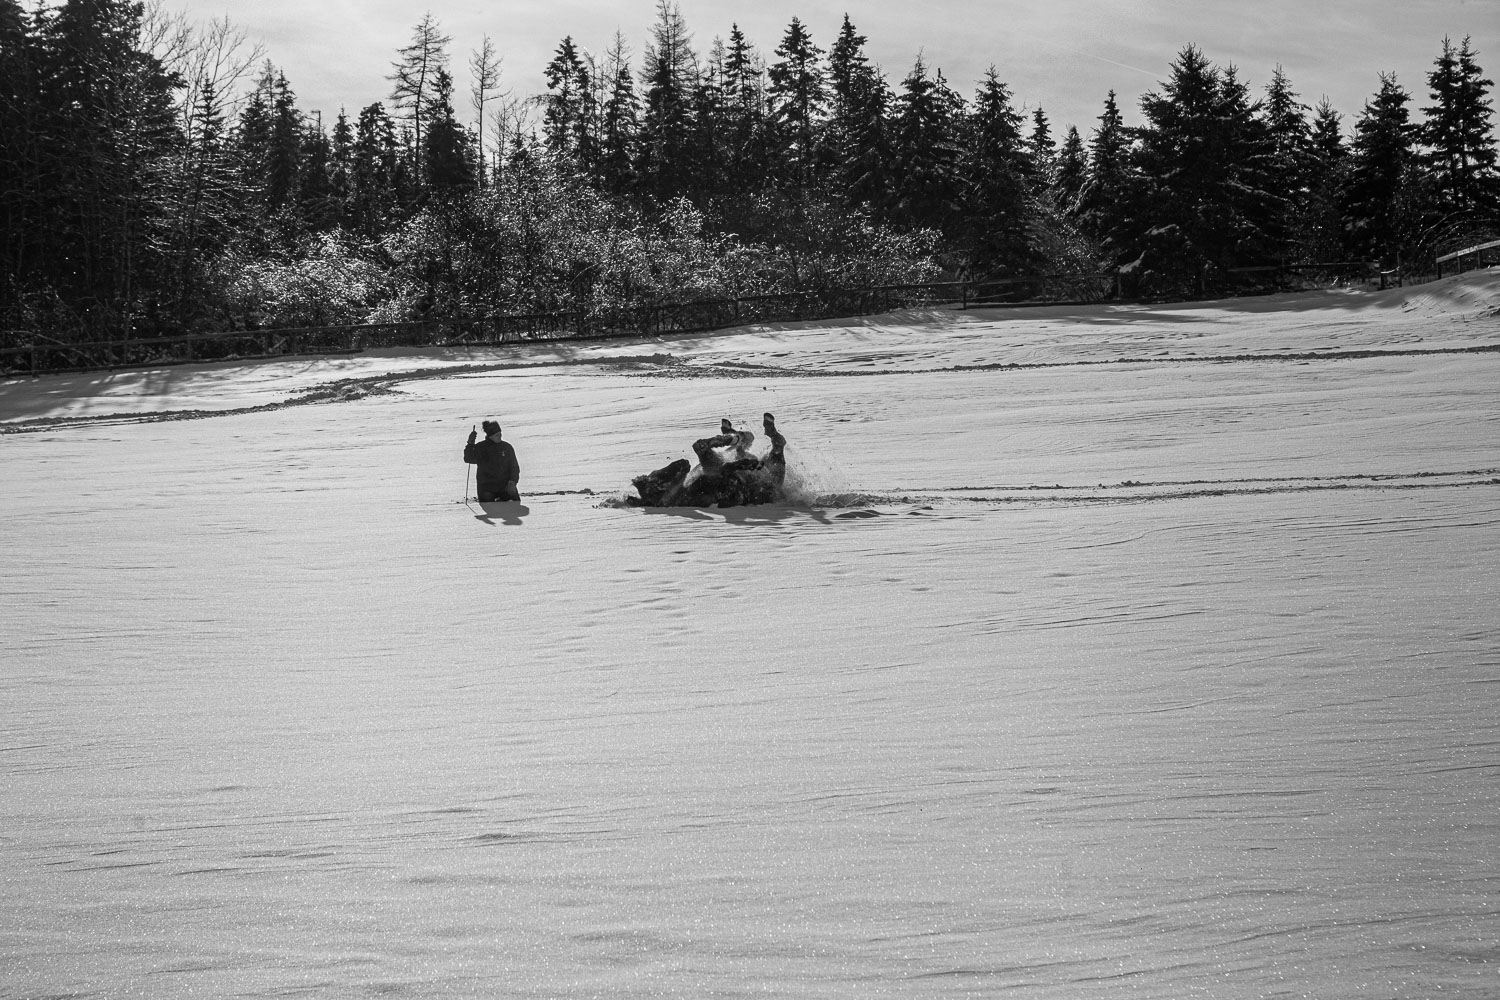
(490, 428)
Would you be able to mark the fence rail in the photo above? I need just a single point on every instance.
(23, 352)
(1477, 252)
(26, 353)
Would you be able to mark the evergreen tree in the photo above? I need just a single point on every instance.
(996, 181)
(1072, 169)
(252, 135)
(341, 168)
(1382, 157)
(107, 138)
(1291, 152)
(670, 75)
(1458, 135)
(797, 96)
(445, 149)
(283, 156)
(707, 141)
(567, 113)
(317, 202)
(857, 137)
(742, 80)
(1105, 201)
(374, 203)
(1255, 192)
(743, 99)
(867, 171)
(1327, 137)
(20, 179)
(617, 155)
(1043, 149)
(926, 179)
(210, 195)
(1320, 234)
(1209, 201)
(848, 70)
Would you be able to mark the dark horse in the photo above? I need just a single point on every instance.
(728, 475)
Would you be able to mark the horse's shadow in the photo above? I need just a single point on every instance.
(507, 511)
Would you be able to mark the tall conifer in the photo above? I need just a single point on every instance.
(1380, 174)
(926, 178)
(996, 176)
(670, 74)
(797, 95)
(1458, 134)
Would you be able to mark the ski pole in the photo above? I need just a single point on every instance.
(466, 469)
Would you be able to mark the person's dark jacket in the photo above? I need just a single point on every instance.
(496, 461)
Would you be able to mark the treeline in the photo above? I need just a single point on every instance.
(153, 181)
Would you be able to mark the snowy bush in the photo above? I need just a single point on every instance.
(328, 280)
(542, 241)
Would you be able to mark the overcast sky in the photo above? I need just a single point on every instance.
(1063, 55)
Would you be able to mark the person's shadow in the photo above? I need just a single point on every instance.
(508, 511)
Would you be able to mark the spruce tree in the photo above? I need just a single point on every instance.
(797, 95)
(20, 180)
(566, 107)
(1458, 135)
(996, 169)
(1320, 233)
(708, 132)
(1204, 162)
(317, 202)
(743, 99)
(1043, 150)
(1327, 135)
(868, 169)
(849, 72)
(374, 204)
(1290, 136)
(341, 167)
(445, 153)
(926, 179)
(1381, 160)
(670, 74)
(1255, 194)
(743, 78)
(106, 140)
(857, 136)
(1105, 199)
(283, 162)
(620, 127)
(1072, 169)
(210, 200)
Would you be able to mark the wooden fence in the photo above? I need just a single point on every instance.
(26, 353)
(1475, 256)
(23, 353)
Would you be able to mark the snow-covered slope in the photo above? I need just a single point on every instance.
(1119, 651)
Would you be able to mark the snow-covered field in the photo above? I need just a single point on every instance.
(1115, 652)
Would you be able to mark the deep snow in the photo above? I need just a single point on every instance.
(1164, 665)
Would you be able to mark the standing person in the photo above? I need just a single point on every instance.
(498, 470)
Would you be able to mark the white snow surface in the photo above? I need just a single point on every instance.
(1111, 651)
